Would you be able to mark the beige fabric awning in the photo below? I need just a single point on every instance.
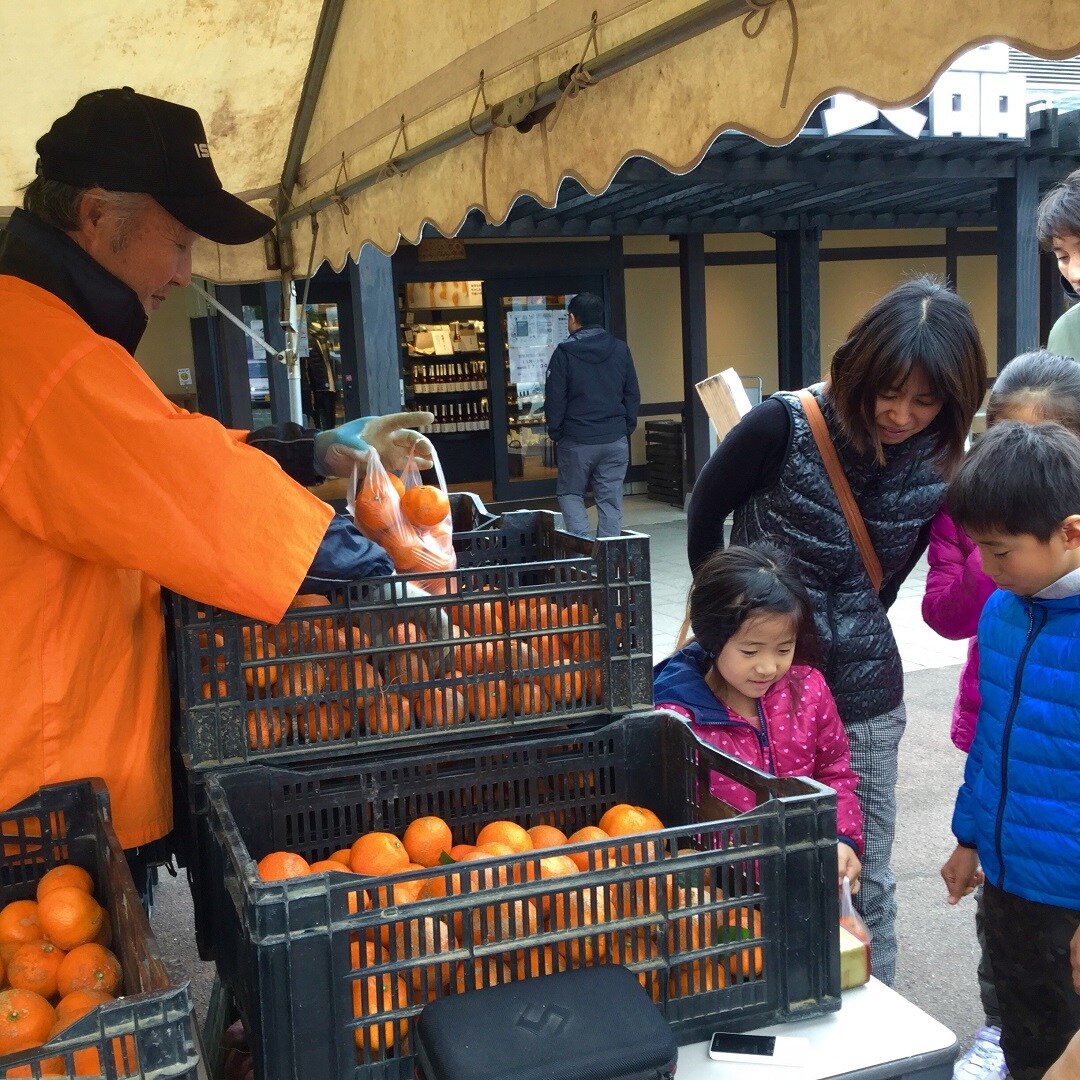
(397, 128)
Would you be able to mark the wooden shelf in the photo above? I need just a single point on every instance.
(476, 387)
(445, 310)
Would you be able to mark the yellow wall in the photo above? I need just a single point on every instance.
(740, 321)
(841, 238)
(741, 303)
(650, 245)
(849, 288)
(654, 334)
(976, 282)
(739, 242)
(166, 345)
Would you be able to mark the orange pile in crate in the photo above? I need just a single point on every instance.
(389, 679)
(55, 967)
(578, 912)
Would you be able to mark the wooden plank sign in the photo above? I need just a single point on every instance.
(725, 400)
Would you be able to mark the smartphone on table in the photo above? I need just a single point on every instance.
(742, 1049)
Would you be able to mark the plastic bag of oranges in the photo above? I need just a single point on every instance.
(406, 517)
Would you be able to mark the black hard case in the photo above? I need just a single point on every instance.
(595, 1023)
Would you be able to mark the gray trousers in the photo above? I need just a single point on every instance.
(875, 748)
(601, 468)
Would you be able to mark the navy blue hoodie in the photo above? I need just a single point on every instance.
(591, 394)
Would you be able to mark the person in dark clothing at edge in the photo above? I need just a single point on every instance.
(591, 401)
(108, 491)
(898, 403)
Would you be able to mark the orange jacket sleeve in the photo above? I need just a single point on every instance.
(109, 471)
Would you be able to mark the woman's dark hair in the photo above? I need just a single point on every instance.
(1019, 479)
(1058, 216)
(1047, 384)
(921, 324)
(740, 583)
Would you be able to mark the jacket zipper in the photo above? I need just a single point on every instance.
(1007, 735)
(734, 720)
(763, 739)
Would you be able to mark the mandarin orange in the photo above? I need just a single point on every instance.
(69, 916)
(65, 874)
(378, 854)
(89, 967)
(279, 865)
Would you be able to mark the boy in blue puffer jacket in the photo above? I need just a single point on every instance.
(1017, 495)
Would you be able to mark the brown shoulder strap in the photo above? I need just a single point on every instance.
(842, 488)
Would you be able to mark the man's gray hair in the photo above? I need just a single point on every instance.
(57, 204)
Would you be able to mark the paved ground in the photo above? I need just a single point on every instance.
(938, 951)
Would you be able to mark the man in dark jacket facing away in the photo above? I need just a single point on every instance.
(592, 401)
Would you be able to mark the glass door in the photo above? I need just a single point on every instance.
(528, 324)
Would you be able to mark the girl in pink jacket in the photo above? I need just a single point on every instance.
(1035, 386)
(741, 690)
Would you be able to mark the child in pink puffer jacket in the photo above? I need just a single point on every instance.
(956, 590)
(1034, 387)
(743, 687)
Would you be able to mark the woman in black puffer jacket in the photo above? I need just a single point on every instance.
(898, 403)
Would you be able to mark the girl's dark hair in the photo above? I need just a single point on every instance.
(1047, 384)
(1058, 216)
(740, 583)
(920, 324)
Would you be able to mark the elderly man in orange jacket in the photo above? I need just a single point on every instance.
(107, 491)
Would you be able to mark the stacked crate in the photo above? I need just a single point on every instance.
(150, 1030)
(288, 749)
(330, 977)
(664, 460)
(537, 629)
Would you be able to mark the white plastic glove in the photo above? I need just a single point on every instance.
(340, 450)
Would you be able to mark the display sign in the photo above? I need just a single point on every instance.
(440, 338)
(440, 250)
(444, 294)
(531, 337)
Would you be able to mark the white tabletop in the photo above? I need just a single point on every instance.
(874, 1027)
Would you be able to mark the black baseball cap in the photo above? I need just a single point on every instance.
(122, 141)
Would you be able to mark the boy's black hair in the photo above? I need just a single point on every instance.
(588, 309)
(1019, 479)
(1058, 216)
(740, 583)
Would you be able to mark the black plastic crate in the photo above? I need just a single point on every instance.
(663, 431)
(150, 1031)
(559, 634)
(295, 955)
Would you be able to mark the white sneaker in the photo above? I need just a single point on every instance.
(984, 1060)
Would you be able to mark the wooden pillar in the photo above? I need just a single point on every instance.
(798, 307)
(377, 386)
(1017, 263)
(951, 256)
(617, 288)
(277, 373)
(695, 352)
(232, 356)
(204, 352)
